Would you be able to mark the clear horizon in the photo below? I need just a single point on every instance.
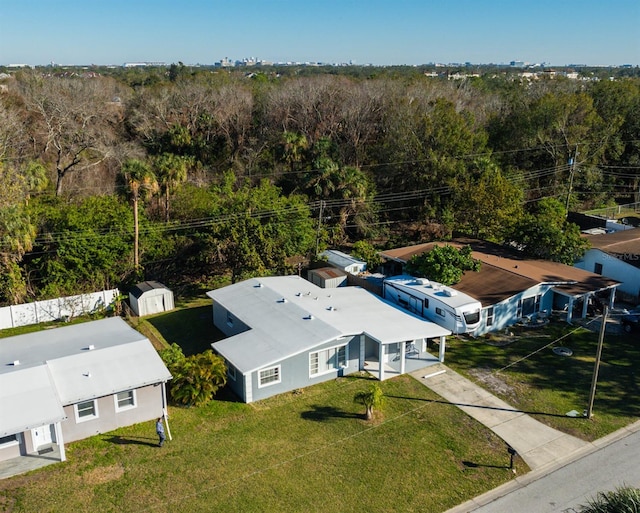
(405, 32)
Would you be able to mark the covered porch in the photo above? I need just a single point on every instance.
(386, 361)
(26, 463)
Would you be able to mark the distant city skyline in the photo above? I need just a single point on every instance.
(403, 32)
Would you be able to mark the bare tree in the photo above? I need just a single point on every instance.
(77, 121)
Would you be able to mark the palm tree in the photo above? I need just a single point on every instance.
(372, 398)
(622, 500)
(197, 378)
(293, 147)
(140, 181)
(171, 170)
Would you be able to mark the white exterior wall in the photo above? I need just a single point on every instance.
(614, 268)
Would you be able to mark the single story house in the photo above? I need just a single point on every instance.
(68, 383)
(285, 333)
(512, 288)
(150, 297)
(616, 256)
(344, 262)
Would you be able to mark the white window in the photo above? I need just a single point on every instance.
(125, 400)
(7, 441)
(86, 410)
(490, 316)
(327, 360)
(440, 311)
(269, 376)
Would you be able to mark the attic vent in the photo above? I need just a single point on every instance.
(16, 363)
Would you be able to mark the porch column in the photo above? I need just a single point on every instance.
(60, 440)
(362, 353)
(442, 348)
(380, 360)
(570, 310)
(403, 351)
(612, 297)
(585, 305)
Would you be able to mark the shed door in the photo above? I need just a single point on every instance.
(156, 304)
(41, 436)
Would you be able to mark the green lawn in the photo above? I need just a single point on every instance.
(310, 451)
(529, 376)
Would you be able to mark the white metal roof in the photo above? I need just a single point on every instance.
(42, 371)
(28, 399)
(288, 315)
(342, 260)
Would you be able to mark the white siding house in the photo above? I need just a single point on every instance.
(73, 382)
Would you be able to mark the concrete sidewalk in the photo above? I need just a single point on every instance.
(543, 448)
(537, 444)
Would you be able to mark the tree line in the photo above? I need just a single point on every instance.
(187, 175)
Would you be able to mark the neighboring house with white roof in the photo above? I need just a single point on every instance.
(616, 256)
(344, 262)
(64, 384)
(285, 333)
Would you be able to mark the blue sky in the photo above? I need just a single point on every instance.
(558, 32)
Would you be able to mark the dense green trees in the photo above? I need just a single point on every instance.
(443, 264)
(255, 173)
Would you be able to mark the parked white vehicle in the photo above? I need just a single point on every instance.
(443, 305)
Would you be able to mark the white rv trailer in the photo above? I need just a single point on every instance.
(443, 305)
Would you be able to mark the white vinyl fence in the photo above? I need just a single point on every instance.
(55, 309)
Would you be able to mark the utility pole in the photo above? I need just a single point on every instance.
(596, 367)
(572, 169)
(319, 226)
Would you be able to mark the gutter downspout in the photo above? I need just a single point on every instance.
(165, 413)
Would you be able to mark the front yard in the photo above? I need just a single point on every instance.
(309, 451)
(525, 372)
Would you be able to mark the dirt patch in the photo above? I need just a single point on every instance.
(493, 382)
(101, 475)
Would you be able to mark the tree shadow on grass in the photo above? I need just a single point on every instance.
(320, 413)
(131, 440)
(481, 407)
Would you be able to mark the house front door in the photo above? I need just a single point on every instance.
(41, 436)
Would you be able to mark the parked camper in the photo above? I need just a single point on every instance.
(443, 305)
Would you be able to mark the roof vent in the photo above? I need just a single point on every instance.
(331, 309)
(309, 317)
(298, 294)
(259, 285)
(16, 363)
(90, 347)
(450, 292)
(86, 374)
(282, 300)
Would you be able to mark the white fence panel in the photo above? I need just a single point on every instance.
(54, 309)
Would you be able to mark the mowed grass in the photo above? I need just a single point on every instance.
(308, 451)
(529, 376)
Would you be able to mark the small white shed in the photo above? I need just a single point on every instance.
(150, 297)
(327, 277)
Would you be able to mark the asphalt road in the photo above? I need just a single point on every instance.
(569, 487)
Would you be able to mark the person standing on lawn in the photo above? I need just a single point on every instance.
(160, 431)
